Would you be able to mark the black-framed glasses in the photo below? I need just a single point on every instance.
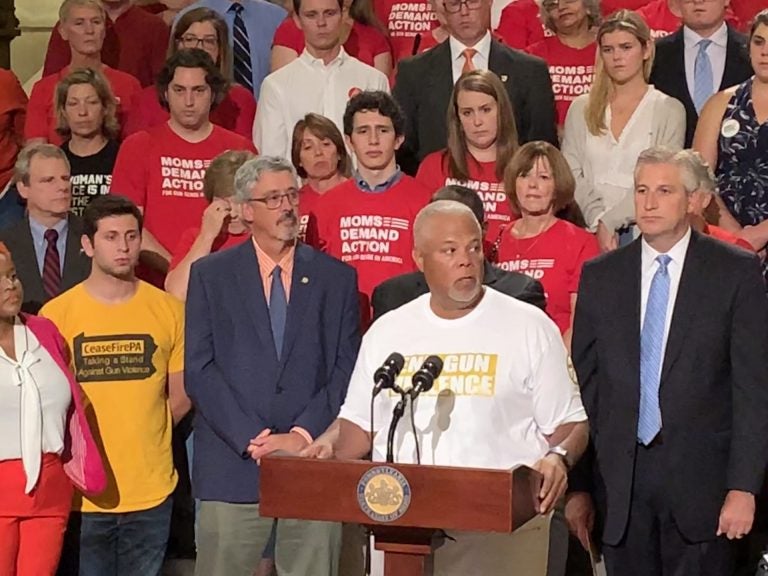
(192, 41)
(274, 201)
(454, 6)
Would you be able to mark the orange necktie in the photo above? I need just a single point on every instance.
(468, 53)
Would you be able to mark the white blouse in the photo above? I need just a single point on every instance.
(34, 399)
(604, 166)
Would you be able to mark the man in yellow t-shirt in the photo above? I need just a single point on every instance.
(126, 340)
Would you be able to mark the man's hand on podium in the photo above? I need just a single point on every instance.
(555, 481)
(320, 448)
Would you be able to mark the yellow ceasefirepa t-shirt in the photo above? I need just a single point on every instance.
(121, 355)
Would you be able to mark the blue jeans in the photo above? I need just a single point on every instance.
(119, 544)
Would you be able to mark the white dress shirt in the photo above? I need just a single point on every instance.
(34, 399)
(480, 59)
(308, 85)
(649, 265)
(716, 52)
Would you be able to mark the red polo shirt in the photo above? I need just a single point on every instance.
(136, 43)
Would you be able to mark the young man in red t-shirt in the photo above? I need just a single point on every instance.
(162, 169)
(83, 26)
(367, 221)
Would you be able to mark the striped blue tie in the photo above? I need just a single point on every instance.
(278, 309)
(651, 353)
(241, 49)
(703, 83)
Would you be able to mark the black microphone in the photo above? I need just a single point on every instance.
(424, 377)
(385, 376)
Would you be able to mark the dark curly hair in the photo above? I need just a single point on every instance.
(192, 58)
(374, 101)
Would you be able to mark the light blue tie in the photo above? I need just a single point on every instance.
(278, 309)
(651, 353)
(703, 84)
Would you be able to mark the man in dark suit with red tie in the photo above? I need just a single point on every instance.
(670, 344)
(46, 243)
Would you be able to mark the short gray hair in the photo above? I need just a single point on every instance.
(702, 170)
(678, 158)
(438, 208)
(249, 174)
(24, 160)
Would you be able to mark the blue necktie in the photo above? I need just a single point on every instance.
(703, 83)
(241, 49)
(278, 309)
(651, 353)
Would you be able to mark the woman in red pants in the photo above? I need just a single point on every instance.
(43, 438)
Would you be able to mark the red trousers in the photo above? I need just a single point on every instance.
(32, 525)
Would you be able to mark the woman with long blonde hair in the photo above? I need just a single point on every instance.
(606, 130)
(482, 138)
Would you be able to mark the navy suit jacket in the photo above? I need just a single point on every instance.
(232, 372)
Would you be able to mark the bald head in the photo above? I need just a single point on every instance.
(427, 226)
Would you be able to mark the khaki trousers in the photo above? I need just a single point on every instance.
(231, 539)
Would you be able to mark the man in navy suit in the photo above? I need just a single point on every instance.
(272, 338)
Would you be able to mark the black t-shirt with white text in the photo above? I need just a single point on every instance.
(91, 175)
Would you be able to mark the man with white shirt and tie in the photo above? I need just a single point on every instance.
(703, 57)
(321, 80)
(425, 82)
(670, 345)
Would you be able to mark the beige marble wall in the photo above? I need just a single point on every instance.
(36, 18)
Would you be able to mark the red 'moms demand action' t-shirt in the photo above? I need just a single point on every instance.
(433, 173)
(520, 25)
(223, 241)
(572, 71)
(554, 258)
(371, 231)
(404, 20)
(163, 173)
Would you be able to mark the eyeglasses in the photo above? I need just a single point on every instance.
(192, 41)
(274, 201)
(454, 6)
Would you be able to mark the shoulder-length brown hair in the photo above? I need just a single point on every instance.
(109, 127)
(222, 36)
(488, 83)
(600, 93)
(525, 160)
(322, 128)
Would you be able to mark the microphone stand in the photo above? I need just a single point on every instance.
(397, 414)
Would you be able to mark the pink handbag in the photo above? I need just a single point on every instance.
(81, 457)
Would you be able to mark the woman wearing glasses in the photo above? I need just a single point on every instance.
(570, 53)
(205, 29)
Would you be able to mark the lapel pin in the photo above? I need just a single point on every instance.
(304, 280)
(503, 77)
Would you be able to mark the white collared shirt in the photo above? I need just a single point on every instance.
(716, 52)
(649, 265)
(308, 85)
(34, 399)
(480, 59)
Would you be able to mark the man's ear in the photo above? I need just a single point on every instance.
(418, 259)
(87, 245)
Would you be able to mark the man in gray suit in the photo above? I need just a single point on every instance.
(46, 243)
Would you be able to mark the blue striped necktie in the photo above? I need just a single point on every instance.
(651, 353)
(703, 82)
(278, 309)
(241, 49)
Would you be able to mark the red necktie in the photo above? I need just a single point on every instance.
(51, 265)
(468, 54)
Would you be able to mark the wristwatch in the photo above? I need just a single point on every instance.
(563, 453)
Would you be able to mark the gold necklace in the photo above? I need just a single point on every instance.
(538, 236)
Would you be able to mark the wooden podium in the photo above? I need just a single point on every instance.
(403, 504)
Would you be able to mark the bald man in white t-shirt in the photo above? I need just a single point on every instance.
(503, 399)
